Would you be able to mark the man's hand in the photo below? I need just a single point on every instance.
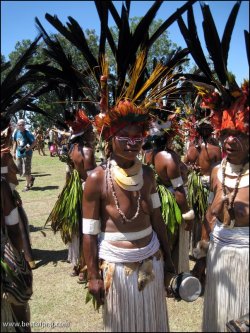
(199, 269)
(169, 273)
(168, 276)
(96, 288)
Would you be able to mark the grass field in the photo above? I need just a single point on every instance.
(58, 301)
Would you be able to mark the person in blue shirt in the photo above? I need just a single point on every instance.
(24, 142)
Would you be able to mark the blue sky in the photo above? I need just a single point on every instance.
(18, 23)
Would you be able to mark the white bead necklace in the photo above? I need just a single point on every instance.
(110, 181)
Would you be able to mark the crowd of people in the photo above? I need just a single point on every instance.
(142, 208)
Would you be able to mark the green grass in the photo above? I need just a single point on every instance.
(57, 297)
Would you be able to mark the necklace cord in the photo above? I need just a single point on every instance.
(230, 205)
(110, 182)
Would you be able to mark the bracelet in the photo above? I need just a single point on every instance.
(189, 215)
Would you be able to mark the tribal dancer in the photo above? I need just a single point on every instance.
(227, 227)
(82, 157)
(227, 263)
(171, 178)
(121, 205)
(124, 236)
(81, 160)
(16, 275)
(202, 154)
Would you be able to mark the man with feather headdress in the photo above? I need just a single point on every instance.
(225, 232)
(115, 205)
(171, 178)
(226, 228)
(82, 158)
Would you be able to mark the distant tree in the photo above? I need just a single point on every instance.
(50, 102)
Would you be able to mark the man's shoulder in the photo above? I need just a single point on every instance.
(164, 154)
(97, 174)
(210, 146)
(29, 134)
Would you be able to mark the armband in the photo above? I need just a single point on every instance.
(156, 200)
(189, 215)
(177, 182)
(91, 227)
(12, 218)
(4, 170)
(210, 197)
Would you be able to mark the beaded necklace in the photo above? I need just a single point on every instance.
(230, 205)
(110, 181)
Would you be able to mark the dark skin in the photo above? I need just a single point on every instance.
(39, 143)
(99, 203)
(169, 166)
(83, 158)
(7, 159)
(236, 146)
(8, 205)
(205, 156)
(14, 233)
(202, 157)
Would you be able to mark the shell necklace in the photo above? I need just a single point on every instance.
(110, 182)
(229, 214)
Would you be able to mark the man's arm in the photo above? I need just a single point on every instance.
(209, 222)
(91, 228)
(174, 174)
(11, 216)
(200, 252)
(161, 231)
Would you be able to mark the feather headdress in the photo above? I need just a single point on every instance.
(13, 97)
(219, 92)
(135, 104)
(129, 83)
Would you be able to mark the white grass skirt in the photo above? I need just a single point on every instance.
(183, 262)
(227, 286)
(127, 309)
(74, 250)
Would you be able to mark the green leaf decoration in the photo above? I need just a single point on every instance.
(67, 211)
(197, 195)
(170, 210)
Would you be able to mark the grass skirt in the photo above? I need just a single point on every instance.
(127, 309)
(227, 286)
(74, 250)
